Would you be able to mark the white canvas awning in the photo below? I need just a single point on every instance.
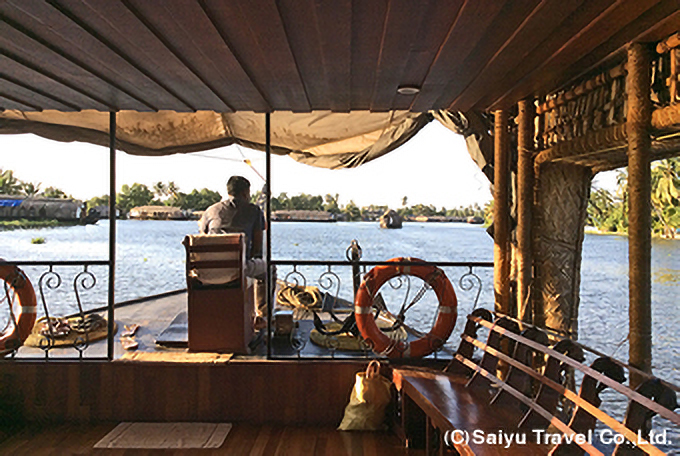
(322, 138)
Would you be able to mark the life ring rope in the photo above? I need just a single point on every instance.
(446, 312)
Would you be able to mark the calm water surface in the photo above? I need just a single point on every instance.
(150, 260)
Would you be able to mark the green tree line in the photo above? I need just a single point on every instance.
(130, 196)
(169, 194)
(11, 185)
(160, 194)
(352, 212)
(608, 211)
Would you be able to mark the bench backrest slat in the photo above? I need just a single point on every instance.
(517, 378)
(637, 397)
(533, 405)
(567, 393)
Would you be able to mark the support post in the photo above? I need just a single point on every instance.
(501, 214)
(639, 212)
(112, 233)
(268, 212)
(525, 201)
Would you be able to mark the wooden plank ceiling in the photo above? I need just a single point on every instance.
(303, 55)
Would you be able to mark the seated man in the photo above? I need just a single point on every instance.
(236, 214)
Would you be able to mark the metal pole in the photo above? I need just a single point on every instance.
(268, 209)
(112, 232)
(355, 256)
(501, 214)
(639, 212)
(525, 201)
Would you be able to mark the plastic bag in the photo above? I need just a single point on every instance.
(370, 397)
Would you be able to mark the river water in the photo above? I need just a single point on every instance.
(151, 260)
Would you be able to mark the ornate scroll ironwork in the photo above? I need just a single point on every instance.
(54, 323)
(334, 280)
(469, 281)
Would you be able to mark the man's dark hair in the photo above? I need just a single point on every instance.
(237, 184)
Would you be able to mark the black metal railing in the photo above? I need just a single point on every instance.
(66, 294)
(404, 301)
(70, 296)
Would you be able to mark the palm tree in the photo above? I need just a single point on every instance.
(160, 189)
(30, 189)
(622, 184)
(172, 189)
(665, 195)
(600, 206)
(665, 181)
(9, 185)
(53, 192)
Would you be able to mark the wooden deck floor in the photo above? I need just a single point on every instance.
(244, 439)
(152, 315)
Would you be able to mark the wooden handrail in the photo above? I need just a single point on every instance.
(634, 395)
(557, 334)
(575, 398)
(566, 430)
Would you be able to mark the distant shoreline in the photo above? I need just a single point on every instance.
(24, 224)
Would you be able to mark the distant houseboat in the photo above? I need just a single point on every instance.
(435, 218)
(157, 213)
(13, 207)
(303, 216)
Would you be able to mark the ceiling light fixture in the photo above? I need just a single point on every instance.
(408, 90)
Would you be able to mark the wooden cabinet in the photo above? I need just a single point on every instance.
(220, 296)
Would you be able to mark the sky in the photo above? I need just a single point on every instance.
(433, 168)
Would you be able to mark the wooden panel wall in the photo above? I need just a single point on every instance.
(254, 391)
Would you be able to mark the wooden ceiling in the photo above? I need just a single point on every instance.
(303, 55)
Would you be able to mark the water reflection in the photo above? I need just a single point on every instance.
(666, 276)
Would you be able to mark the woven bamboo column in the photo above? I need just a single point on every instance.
(525, 201)
(560, 211)
(639, 213)
(501, 213)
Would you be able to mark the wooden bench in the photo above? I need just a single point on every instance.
(220, 296)
(514, 398)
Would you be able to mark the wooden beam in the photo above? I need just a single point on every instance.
(525, 201)
(501, 213)
(639, 213)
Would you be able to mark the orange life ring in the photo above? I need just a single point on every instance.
(446, 315)
(25, 317)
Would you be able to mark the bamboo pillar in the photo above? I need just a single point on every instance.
(639, 212)
(525, 200)
(501, 214)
